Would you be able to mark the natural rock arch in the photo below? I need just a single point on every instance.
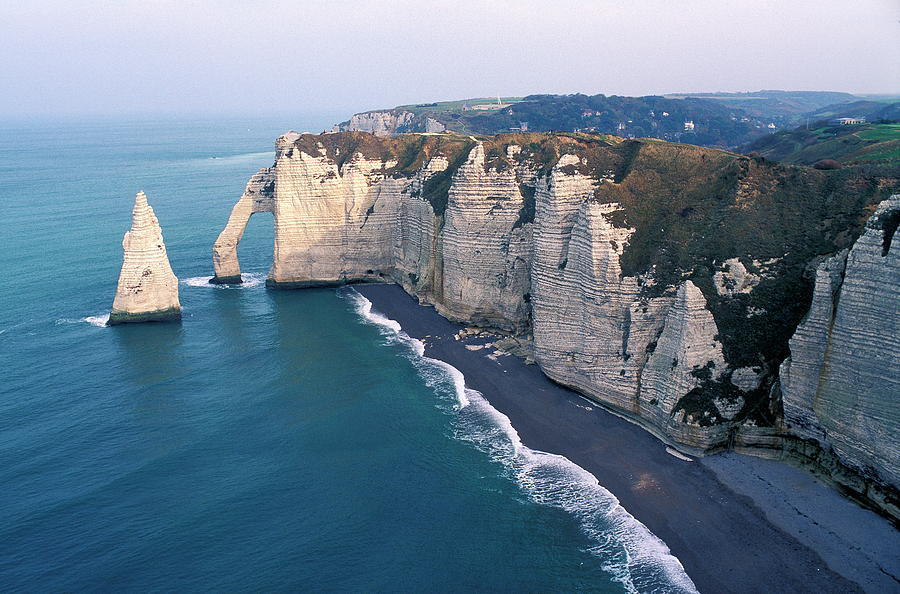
(258, 196)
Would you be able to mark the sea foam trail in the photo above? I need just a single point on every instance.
(250, 280)
(636, 557)
(98, 320)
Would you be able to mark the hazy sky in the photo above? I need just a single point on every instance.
(261, 56)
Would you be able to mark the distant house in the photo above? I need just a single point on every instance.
(689, 126)
(850, 121)
(620, 127)
(771, 126)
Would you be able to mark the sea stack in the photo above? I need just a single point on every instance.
(148, 289)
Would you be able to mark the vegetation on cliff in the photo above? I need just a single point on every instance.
(692, 209)
(402, 156)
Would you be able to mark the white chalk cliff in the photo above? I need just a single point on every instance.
(389, 123)
(147, 289)
(841, 384)
(541, 236)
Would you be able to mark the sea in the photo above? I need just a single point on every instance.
(272, 440)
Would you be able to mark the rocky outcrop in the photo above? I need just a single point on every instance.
(734, 278)
(841, 384)
(687, 353)
(644, 275)
(147, 289)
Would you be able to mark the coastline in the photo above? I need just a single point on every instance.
(714, 516)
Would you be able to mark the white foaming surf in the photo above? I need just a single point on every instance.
(98, 321)
(434, 371)
(633, 555)
(249, 280)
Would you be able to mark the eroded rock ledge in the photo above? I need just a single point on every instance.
(664, 281)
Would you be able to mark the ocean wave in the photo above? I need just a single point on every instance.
(434, 371)
(633, 555)
(98, 320)
(250, 280)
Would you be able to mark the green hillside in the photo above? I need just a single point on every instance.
(781, 107)
(721, 120)
(876, 143)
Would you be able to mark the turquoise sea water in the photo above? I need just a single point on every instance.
(273, 440)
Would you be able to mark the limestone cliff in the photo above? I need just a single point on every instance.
(841, 384)
(147, 289)
(389, 123)
(661, 280)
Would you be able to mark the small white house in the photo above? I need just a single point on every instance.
(689, 126)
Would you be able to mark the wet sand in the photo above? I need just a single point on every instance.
(713, 513)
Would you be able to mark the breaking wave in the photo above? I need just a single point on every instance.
(633, 555)
(250, 280)
(98, 321)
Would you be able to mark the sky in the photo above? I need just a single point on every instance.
(70, 57)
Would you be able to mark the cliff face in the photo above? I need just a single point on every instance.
(664, 281)
(147, 289)
(841, 384)
(389, 123)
